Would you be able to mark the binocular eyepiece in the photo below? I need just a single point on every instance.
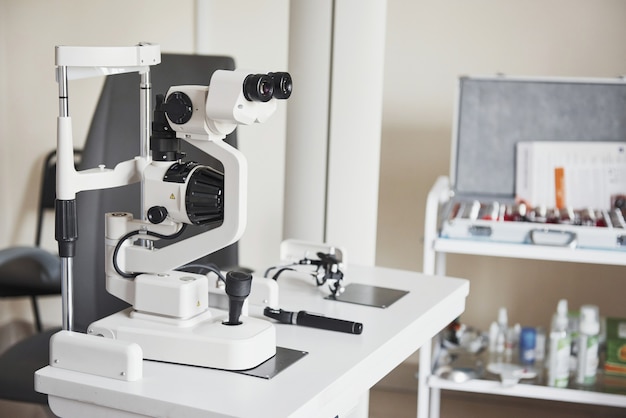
(233, 97)
(264, 87)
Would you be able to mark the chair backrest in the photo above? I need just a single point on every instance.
(114, 137)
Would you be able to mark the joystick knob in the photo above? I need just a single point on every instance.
(238, 286)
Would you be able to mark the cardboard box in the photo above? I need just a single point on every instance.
(615, 346)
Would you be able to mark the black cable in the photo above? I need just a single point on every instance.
(275, 277)
(140, 232)
(267, 272)
(322, 264)
(210, 267)
(317, 277)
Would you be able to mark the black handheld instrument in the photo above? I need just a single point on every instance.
(307, 319)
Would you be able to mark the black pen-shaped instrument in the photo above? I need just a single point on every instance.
(307, 319)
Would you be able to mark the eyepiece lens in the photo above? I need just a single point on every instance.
(282, 85)
(265, 88)
(258, 88)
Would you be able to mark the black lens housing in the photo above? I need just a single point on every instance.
(178, 107)
(282, 85)
(258, 88)
(163, 142)
(204, 196)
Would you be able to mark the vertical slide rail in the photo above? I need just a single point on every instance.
(65, 216)
(145, 92)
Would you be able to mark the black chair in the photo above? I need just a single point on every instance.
(32, 271)
(112, 137)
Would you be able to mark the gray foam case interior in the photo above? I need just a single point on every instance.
(495, 114)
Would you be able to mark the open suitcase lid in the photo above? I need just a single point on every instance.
(494, 113)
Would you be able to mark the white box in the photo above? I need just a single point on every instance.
(575, 175)
(175, 294)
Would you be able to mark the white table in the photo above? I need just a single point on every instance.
(327, 382)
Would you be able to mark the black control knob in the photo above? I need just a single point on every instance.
(238, 286)
(178, 107)
(157, 214)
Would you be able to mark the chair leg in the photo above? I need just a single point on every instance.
(33, 299)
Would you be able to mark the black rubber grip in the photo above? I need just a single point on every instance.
(66, 227)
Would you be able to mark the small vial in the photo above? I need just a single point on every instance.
(456, 210)
(538, 214)
(617, 219)
(553, 216)
(489, 211)
(472, 211)
(587, 217)
(515, 213)
(567, 216)
(603, 219)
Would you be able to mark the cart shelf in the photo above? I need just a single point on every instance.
(595, 396)
(435, 249)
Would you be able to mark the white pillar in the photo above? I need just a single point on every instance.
(336, 56)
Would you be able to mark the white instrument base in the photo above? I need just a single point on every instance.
(199, 341)
(116, 359)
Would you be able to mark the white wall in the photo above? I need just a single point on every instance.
(31, 29)
(334, 124)
(255, 33)
(429, 44)
(5, 219)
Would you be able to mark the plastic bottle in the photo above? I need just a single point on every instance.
(502, 332)
(540, 345)
(560, 345)
(572, 328)
(511, 351)
(498, 333)
(527, 345)
(588, 336)
(493, 335)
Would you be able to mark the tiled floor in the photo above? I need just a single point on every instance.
(21, 410)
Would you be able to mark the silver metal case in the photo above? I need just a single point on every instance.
(493, 114)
